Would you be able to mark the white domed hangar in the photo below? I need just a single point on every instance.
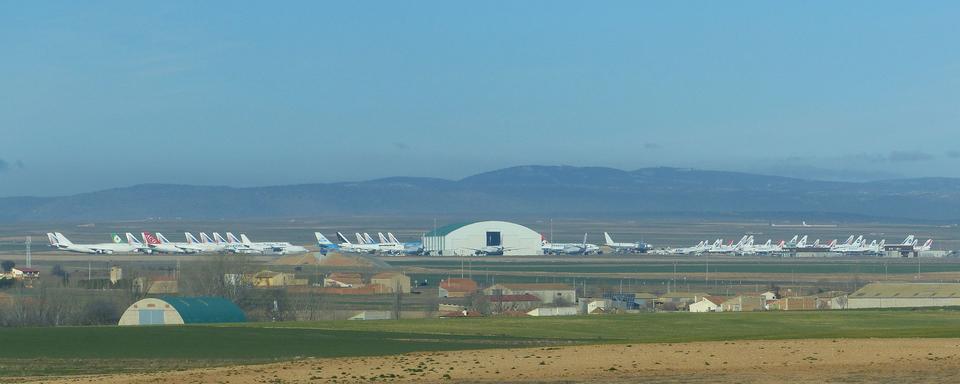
(482, 238)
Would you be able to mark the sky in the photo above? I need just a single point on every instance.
(104, 94)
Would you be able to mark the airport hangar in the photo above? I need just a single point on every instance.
(468, 239)
(171, 310)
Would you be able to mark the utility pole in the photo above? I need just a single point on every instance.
(29, 261)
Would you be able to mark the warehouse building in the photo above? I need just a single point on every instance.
(905, 295)
(169, 310)
(482, 238)
(547, 293)
(391, 282)
(454, 287)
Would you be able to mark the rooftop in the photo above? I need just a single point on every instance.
(205, 309)
(446, 229)
(459, 285)
(908, 290)
(534, 286)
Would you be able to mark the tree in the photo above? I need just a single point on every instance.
(7, 265)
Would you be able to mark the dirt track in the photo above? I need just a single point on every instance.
(787, 361)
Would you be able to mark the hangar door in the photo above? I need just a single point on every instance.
(151, 317)
(493, 239)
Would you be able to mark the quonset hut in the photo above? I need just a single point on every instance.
(169, 310)
(482, 238)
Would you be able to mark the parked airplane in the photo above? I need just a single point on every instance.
(280, 248)
(204, 246)
(925, 247)
(60, 242)
(638, 247)
(136, 244)
(583, 248)
(158, 243)
(410, 248)
(749, 248)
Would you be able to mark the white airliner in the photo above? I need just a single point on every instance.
(345, 244)
(278, 248)
(925, 247)
(136, 244)
(158, 243)
(59, 241)
(204, 246)
(638, 247)
(583, 248)
(749, 248)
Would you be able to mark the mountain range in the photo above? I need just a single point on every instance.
(544, 191)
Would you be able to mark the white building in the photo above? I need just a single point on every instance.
(905, 295)
(707, 304)
(482, 238)
(557, 311)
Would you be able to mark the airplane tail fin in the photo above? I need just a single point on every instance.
(205, 239)
(360, 239)
(342, 238)
(383, 239)
(52, 239)
(393, 239)
(163, 240)
(244, 239)
(607, 238)
(909, 240)
(149, 239)
(132, 240)
(368, 239)
(61, 239)
(190, 238)
(321, 239)
(218, 239)
(232, 239)
(116, 238)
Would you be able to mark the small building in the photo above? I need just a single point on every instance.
(170, 310)
(796, 303)
(343, 280)
(553, 311)
(594, 305)
(744, 303)
(678, 300)
(644, 300)
(25, 273)
(500, 304)
(769, 295)
(116, 274)
(271, 279)
(391, 282)
(832, 300)
(707, 304)
(372, 315)
(905, 295)
(547, 293)
(456, 287)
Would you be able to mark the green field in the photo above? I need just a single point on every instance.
(74, 350)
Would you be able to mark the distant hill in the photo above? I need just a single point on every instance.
(518, 191)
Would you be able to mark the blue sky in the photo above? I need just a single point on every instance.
(104, 94)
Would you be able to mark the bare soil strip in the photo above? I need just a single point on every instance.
(765, 361)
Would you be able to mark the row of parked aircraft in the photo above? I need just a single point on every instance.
(585, 248)
(387, 245)
(157, 243)
(746, 246)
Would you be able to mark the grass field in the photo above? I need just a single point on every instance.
(75, 350)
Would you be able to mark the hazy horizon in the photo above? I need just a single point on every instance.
(114, 94)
